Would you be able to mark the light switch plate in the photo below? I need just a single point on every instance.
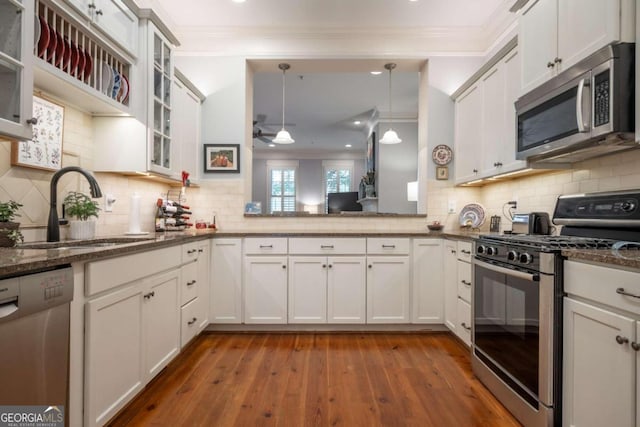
(109, 200)
(451, 206)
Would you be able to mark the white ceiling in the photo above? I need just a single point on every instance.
(332, 92)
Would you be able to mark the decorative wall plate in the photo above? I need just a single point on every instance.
(442, 155)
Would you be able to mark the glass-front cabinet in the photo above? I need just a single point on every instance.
(162, 70)
(16, 71)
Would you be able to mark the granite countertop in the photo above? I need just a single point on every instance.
(23, 259)
(20, 260)
(624, 257)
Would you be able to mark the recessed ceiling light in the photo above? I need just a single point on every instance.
(348, 145)
(413, 0)
(272, 145)
(376, 73)
(238, 1)
(357, 122)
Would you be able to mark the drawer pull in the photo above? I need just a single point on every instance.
(621, 339)
(453, 252)
(466, 252)
(621, 291)
(191, 251)
(149, 295)
(191, 283)
(388, 246)
(326, 246)
(192, 321)
(464, 282)
(464, 325)
(266, 246)
(200, 251)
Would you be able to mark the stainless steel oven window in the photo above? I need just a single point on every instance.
(507, 323)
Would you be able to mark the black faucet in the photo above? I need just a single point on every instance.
(53, 226)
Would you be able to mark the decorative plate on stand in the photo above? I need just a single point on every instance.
(472, 215)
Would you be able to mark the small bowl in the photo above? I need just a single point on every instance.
(435, 227)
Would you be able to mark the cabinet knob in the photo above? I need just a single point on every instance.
(550, 64)
(284, 266)
(370, 266)
(475, 171)
(330, 265)
(621, 339)
(324, 265)
(32, 121)
(635, 346)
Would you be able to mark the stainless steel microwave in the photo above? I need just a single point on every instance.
(585, 111)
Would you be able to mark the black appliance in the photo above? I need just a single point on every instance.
(517, 301)
(585, 111)
(341, 202)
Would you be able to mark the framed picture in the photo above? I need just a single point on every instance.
(442, 172)
(222, 158)
(44, 151)
(253, 208)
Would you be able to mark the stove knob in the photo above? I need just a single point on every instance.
(628, 206)
(513, 255)
(491, 250)
(481, 249)
(526, 258)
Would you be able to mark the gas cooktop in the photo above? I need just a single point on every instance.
(550, 242)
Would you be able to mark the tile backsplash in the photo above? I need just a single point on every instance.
(225, 198)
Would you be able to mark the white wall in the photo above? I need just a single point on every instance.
(397, 164)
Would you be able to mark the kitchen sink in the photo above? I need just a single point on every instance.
(85, 244)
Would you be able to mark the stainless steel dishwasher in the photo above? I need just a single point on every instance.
(34, 337)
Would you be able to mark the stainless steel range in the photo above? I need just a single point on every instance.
(517, 301)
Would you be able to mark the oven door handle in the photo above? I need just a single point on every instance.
(513, 273)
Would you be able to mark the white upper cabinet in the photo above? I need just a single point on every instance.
(16, 71)
(556, 34)
(186, 126)
(114, 19)
(485, 123)
(468, 134)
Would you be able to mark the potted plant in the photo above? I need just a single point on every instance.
(369, 181)
(10, 234)
(80, 206)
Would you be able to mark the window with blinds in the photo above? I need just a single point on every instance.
(338, 178)
(283, 189)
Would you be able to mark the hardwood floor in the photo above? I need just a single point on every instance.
(318, 379)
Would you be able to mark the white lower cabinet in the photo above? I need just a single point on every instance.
(346, 290)
(161, 321)
(327, 289)
(131, 334)
(428, 286)
(114, 350)
(463, 328)
(388, 284)
(194, 290)
(450, 262)
(226, 281)
(601, 346)
(600, 372)
(265, 289)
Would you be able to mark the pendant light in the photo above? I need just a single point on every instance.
(283, 137)
(390, 136)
